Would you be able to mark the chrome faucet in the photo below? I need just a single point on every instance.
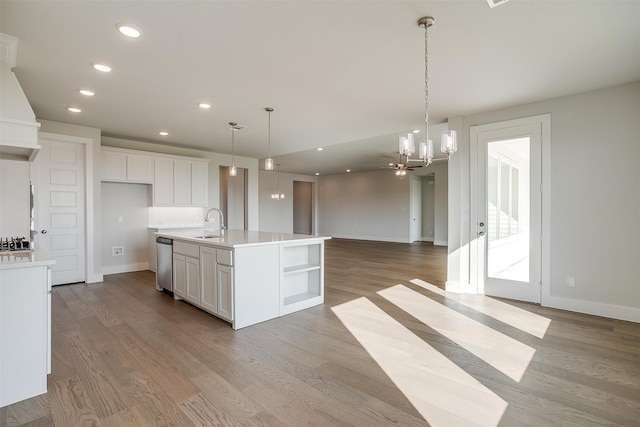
(207, 219)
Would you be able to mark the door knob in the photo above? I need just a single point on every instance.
(44, 232)
(481, 224)
(481, 233)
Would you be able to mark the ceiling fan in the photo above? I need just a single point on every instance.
(403, 166)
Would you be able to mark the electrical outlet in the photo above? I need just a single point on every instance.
(117, 251)
(571, 281)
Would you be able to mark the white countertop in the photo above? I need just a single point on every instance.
(24, 259)
(237, 238)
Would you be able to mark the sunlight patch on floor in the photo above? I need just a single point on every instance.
(524, 320)
(443, 393)
(507, 355)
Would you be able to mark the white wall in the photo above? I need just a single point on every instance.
(277, 215)
(441, 171)
(124, 223)
(594, 200)
(93, 189)
(365, 205)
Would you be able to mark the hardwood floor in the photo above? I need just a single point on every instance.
(387, 348)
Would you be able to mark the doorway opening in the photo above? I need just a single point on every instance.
(234, 198)
(303, 192)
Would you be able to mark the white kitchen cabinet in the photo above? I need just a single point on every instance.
(25, 322)
(114, 165)
(224, 284)
(186, 271)
(181, 183)
(176, 180)
(193, 280)
(208, 278)
(119, 165)
(216, 279)
(163, 182)
(179, 276)
(140, 169)
(199, 184)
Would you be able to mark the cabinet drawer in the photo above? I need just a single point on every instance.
(188, 249)
(224, 257)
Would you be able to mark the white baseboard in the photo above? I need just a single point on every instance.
(426, 239)
(372, 238)
(125, 268)
(440, 243)
(95, 278)
(619, 312)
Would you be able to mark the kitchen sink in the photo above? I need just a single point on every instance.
(209, 236)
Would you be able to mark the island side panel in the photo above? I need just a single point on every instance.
(257, 284)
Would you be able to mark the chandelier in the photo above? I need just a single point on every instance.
(406, 143)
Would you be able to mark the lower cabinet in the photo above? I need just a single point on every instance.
(186, 271)
(25, 328)
(224, 284)
(206, 281)
(216, 273)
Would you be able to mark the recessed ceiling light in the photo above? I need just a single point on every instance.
(101, 67)
(128, 30)
(74, 109)
(204, 105)
(320, 148)
(416, 131)
(317, 173)
(86, 92)
(348, 170)
(163, 133)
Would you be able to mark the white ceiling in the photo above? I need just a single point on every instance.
(344, 75)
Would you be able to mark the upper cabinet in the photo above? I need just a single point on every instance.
(121, 166)
(179, 182)
(176, 180)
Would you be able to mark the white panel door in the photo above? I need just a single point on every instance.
(416, 210)
(59, 185)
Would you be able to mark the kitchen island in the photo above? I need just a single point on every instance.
(25, 324)
(247, 277)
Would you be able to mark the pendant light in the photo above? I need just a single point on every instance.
(278, 195)
(233, 171)
(268, 162)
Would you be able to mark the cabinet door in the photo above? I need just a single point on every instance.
(225, 291)
(114, 166)
(163, 182)
(181, 183)
(209, 291)
(139, 169)
(199, 184)
(179, 275)
(193, 280)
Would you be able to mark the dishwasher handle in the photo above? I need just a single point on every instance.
(164, 241)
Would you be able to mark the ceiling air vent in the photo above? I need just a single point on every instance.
(494, 3)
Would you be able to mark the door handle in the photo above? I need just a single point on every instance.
(481, 233)
(44, 232)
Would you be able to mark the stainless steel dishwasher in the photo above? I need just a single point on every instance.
(164, 269)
